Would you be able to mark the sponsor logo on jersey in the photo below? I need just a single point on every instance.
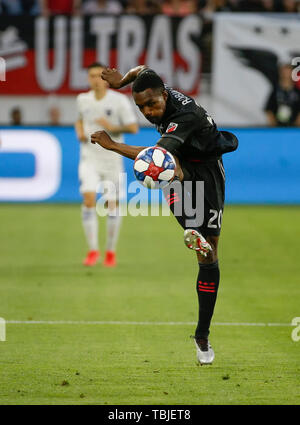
(171, 127)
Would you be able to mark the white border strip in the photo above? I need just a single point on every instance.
(79, 322)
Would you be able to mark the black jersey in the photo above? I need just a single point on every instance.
(189, 132)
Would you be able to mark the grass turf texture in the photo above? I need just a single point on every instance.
(42, 247)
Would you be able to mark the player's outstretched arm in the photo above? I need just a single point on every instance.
(104, 140)
(80, 131)
(117, 80)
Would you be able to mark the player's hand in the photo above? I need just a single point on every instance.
(178, 170)
(113, 77)
(102, 139)
(105, 124)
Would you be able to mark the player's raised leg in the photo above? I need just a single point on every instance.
(90, 226)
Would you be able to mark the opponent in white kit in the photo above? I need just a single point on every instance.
(101, 109)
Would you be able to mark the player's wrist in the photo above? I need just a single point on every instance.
(114, 146)
(131, 75)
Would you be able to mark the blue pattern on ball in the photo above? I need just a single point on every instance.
(139, 175)
(148, 156)
(167, 164)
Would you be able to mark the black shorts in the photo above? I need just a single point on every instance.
(206, 199)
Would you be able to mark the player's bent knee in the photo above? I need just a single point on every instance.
(213, 241)
(213, 255)
(112, 205)
(89, 200)
(89, 204)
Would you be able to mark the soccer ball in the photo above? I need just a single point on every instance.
(154, 167)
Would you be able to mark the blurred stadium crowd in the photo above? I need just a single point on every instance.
(54, 106)
(144, 7)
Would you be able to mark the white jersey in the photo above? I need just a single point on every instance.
(117, 109)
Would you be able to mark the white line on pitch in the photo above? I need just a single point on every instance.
(79, 322)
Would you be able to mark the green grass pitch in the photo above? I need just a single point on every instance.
(42, 279)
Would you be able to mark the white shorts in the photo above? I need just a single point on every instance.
(109, 182)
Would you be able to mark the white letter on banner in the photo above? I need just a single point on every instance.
(2, 69)
(160, 49)
(186, 80)
(50, 79)
(47, 152)
(78, 75)
(103, 27)
(130, 43)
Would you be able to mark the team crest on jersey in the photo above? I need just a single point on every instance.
(171, 127)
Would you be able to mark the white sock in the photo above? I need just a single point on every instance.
(90, 226)
(113, 228)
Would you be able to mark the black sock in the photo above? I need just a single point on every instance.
(207, 289)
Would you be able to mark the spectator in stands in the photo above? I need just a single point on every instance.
(60, 7)
(16, 116)
(91, 7)
(289, 6)
(258, 5)
(19, 7)
(144, 7)
(179, 7)
(54, 115)
(208, 7)
(283, 105)
(53, 109)
(268, 5)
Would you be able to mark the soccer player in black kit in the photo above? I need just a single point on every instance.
(191, 135)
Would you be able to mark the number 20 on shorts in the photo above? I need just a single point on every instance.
(215, 220)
